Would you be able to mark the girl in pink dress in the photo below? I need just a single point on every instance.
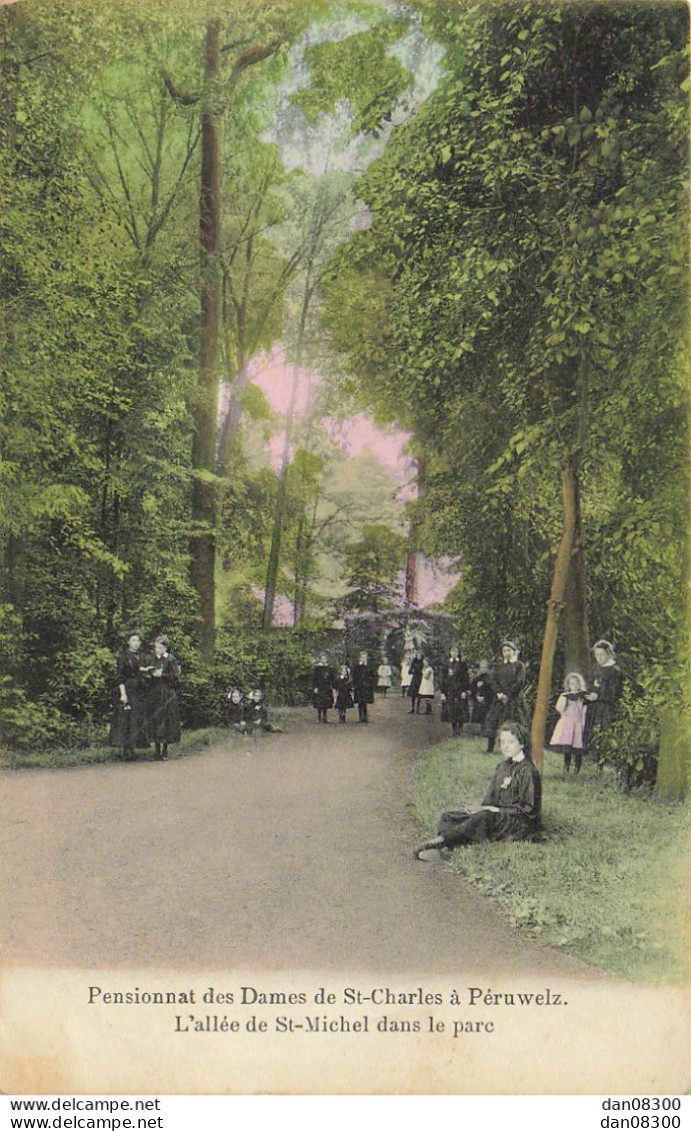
(568, 733)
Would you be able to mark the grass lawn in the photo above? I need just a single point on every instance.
(192, 742)
(609, 880)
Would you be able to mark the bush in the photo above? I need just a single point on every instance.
(27, 725)
(631, 743)
(280, 661)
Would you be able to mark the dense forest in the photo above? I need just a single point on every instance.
(236, 237)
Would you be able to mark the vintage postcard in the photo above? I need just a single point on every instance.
(343, 547)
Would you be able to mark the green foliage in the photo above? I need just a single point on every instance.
(280, 662)
(521, 289)
(372, 564)
(359, 69)
(526, 265)
(26, 724)
(99, 288)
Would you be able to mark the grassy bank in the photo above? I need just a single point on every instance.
(608, 882)
(192, 742)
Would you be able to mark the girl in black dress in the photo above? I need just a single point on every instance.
(481, 693)
(323, 679)
(234, 710)
(606, 691)
(344, 693)
(415, 669)
(454, 683)
(164, 722)
(129, 725)
(508, 680)
(363, 687)
(511, 808)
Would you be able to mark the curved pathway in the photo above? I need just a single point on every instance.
(290, 851)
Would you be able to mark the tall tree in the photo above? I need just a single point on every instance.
(373, 563)
(203, 540)
(520, 253)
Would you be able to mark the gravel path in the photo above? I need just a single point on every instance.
(291, 851)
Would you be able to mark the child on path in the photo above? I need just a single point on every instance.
(405, 674)
(415, 670)
(164, 720)
(257, 714)
(363, 687)
(344, 693)
(426, 691)
(323, 679)
(384, 677)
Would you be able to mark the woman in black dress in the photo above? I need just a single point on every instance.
(508, 681)
(323, 680)
(164, 721)
(606, 692)
(132, 682)
(511, 808)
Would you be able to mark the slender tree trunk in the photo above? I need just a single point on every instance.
(297, 573)
(413, 556)
(279, 513)
(555, 607)
(576, 633)
(203, 540)
(231, 419)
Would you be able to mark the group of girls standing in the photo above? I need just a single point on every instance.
(582, 711)
(511, 807)
(496, 696)
(146, 708)
(463, 699)
(343, 689)
(417, 680)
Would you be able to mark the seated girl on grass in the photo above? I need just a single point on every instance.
(511, 807)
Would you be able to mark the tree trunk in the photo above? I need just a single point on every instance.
(413, 557)
(576, 634)
(555, 607)
(203, 540)
(231, 418)
(279, 514)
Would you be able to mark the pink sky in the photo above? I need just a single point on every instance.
(274, 376)
(356, 435)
